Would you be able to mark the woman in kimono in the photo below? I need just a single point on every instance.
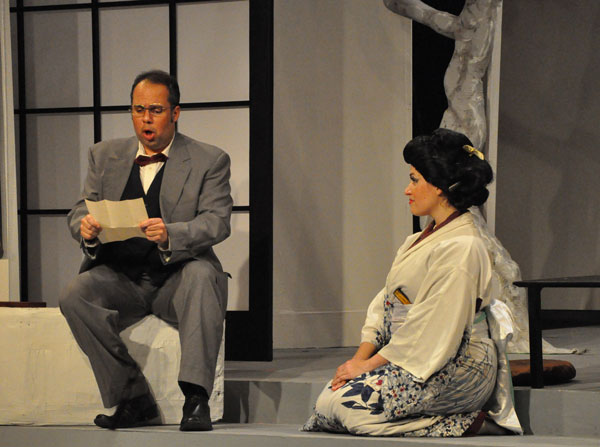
(427, 364)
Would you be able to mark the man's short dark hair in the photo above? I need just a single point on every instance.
(159, 77)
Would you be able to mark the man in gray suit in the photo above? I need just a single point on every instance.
(172, 273)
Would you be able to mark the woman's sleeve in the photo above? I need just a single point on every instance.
(372, 331)
(443, 309)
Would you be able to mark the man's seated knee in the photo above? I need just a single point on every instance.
(201, 280)
(67, 301)
(200, 270)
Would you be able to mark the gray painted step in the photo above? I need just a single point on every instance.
(284, 391)
(559, 412)
(550, 411)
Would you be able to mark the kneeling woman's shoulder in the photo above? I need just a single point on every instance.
(462, 249)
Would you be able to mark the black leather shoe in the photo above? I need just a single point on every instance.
(196, 414)
(136, 412)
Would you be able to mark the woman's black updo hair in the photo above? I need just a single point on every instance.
(441, 159)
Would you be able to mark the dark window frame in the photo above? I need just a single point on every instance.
(243, 341)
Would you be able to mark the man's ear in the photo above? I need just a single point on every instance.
(175, 114)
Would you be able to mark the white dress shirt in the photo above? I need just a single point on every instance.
(148, 172)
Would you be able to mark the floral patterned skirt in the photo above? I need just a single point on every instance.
(389, 401)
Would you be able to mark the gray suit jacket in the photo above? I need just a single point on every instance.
(195, 200)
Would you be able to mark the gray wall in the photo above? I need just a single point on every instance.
(342, 114)
(548, 205)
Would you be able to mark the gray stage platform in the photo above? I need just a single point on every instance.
(265, 403)
(254, 435)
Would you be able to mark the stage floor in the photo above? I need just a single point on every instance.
(267, 402)
(253, 435)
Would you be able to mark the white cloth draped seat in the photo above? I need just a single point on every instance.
(45, 379)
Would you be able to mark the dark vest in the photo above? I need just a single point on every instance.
(137, 255)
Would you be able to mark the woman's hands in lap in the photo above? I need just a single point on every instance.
(348, 370)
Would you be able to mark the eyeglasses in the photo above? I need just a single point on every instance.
(155, 110)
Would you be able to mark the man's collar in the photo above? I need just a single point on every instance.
(165, 151)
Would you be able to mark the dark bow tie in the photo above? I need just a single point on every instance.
(143, 160)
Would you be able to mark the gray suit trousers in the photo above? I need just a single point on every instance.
(100, 303)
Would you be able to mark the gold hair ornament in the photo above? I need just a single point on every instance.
(472, 151)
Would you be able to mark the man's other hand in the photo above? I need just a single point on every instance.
(89, 228)
(156, 231)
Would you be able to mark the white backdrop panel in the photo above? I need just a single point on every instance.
(116, 125)
(54, 159)
(49, 237)
(234, 254)
(131, 41)
(213, 51)
(228, 129)
(58, 48)
(14, 57)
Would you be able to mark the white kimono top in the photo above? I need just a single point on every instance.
(442, 276)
